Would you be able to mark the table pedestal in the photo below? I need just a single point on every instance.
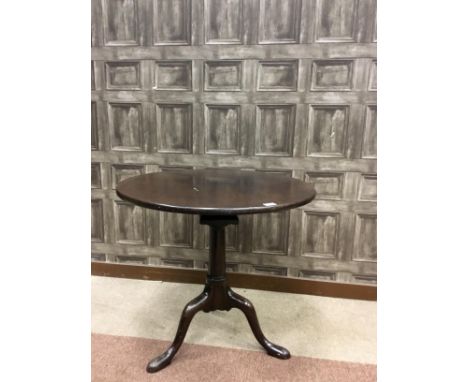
(217, 295)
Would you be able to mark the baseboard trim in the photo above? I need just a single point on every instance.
(239, 280)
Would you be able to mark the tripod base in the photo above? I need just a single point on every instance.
(217, 295)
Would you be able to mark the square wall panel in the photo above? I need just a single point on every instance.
(120, 22)
(125, 126)
(269, 270)
(137, 260)
(274, 130)
(223, 75)
(172, 22)
(369, 138)
(365, 238)
(332, 75)
(96, 181)
(277, 75)
(327, 185)
(177, 263)
(279, 21)
(97, 221)
(368, 187)
(327, 130)
(320, 234)
(121, 172)
(222, 124)
(223, 21)
(336, 20)
(130, 223)
(270, 233)
(123, 75)
(175, 230)
(174, 128)
(317, 275)
(173, 75)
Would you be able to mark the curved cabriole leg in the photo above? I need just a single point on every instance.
(240, 302)
(192, 308)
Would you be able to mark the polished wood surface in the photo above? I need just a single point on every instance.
(216, 192)
(218, 196)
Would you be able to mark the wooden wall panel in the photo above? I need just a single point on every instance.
(369, 139)
(223, 21)
(336, 20)
(97, 221)
(94, 127)
(279, 21)
(96, 175)
(277, 75)
(275, 129)
(223, 75)
(285, 86)
(365, 245)
(174, 128)
(121, 172)
(176, 230)
(123, 75)
(332, 74)
(320, 234)
(125, 125)
(171, 25)
(120, 21)
(173, 75)
(327, 130)
(270, 233)
(130, 223)
(223, 129)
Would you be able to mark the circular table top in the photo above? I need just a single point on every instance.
(216, 191)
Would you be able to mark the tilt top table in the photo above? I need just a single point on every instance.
(218, 196)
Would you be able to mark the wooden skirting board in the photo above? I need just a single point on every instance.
(239, 280)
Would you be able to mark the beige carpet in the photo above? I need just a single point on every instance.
(309, 326)
(123, 359)
(133, 321)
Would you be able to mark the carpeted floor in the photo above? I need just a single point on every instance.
(123, 359)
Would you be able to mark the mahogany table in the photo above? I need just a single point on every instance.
(218, 196)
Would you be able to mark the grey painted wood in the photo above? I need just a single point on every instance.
(336, 19)
(223, 75)
(336, 74)
(369, 140)
(171, 23)
(275, 129)
(130, 223)
(261, 85)
(277, 75)
(125, 124)
(223, 21)
(120, 22)
(123, 75)
(223, 123)
(279, 21)
(174, 128)
(320, 234)
(173, 75)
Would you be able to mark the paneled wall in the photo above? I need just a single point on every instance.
(285, 86)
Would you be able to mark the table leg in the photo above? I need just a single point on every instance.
(192, 308)
(248, 309)
(217, 295)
